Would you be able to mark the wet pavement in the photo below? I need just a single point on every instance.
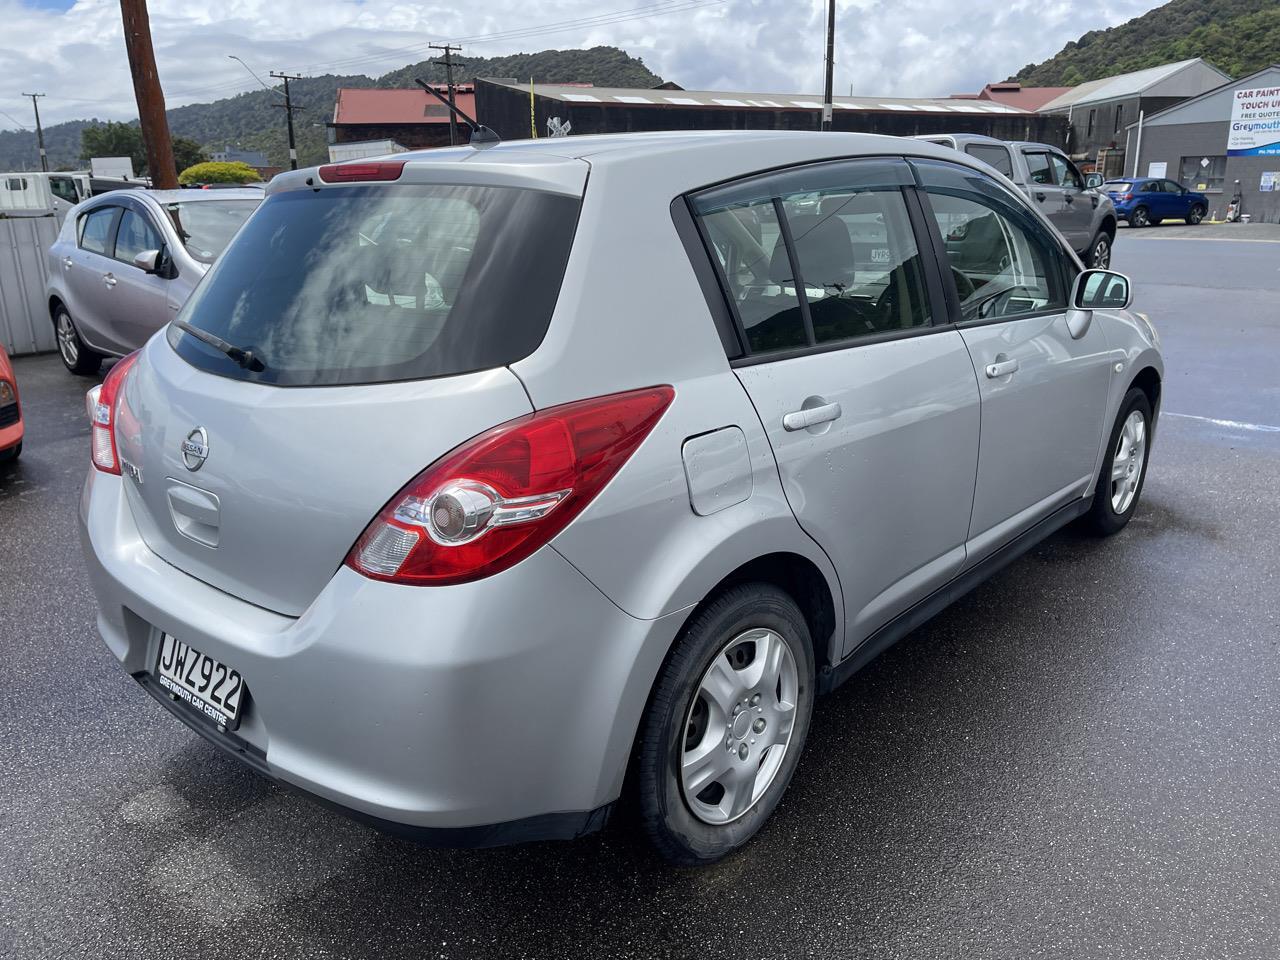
(1080, 759)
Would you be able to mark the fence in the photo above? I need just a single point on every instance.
(24, 271)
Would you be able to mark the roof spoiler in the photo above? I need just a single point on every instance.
(481, 136)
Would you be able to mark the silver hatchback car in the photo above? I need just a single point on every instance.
(477, 486)
(125, 261)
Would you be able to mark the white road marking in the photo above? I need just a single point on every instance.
(1229, 424)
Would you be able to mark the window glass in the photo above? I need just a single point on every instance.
(1119, 118)
(1003, 265)
(746, 239)
(135, 235)
(1038, 168)
(95, 229)
(207, 226)
(1203, 174)
(64, 188)
(1170, 187)
(1065, 173)
(989, 153)
(858, 263)
(16, 183)
(367, 284)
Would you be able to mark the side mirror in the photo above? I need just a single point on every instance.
(1096, 290)
(147, 260)
(1092, 181)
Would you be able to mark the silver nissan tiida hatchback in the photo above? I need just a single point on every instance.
(473, 487)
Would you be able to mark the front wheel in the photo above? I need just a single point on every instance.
(725, 724)
(1099, 257)
(1196, 215)
(1140, 217)
(1115, 498)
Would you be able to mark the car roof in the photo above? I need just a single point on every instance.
(199, 196)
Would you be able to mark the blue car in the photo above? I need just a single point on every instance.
(1146, 201)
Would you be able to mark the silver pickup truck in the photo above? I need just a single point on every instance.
(1085, 216)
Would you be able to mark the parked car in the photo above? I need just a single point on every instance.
(124, 264)
(465, 492)
(10, 412)
(1146, 201)
(1086, 217)
(28, 194)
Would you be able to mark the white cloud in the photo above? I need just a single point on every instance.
(884, 47)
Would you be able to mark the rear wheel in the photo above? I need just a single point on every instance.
(1196, 215)
(76, 356)
(12, 454)
(1115, 498)
(1140, 217)
(1099, 255)
(725, 724)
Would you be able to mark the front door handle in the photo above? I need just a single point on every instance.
(1040, 196)
(810, 417)
(1001, 368)
(109, 280)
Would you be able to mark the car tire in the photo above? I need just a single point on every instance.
(1140, 217)
(1098, 256)
(76, 356)
(1196, 215)
(719, 671)
(1120, 481)
(11, 455)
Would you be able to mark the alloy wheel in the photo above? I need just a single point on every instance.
(68, 341)
(1139, 218)
(1126, 465)
(1102, 253)
(738, 727)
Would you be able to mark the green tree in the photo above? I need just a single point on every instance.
(187, 153)
(217, 172)
(114, 139)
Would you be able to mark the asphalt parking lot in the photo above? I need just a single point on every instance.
(1080, 759)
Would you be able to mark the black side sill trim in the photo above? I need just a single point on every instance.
(944, 596)
(544, 826)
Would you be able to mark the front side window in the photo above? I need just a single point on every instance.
(95, 230)
(1004, 263)
(1038, 168)
(136, 235)
(207, 226)
(369, 284)
(818, 255)
(996, 156)
(1065, 173)
(64, 188)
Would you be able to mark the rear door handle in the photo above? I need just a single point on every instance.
(1001, 368)
(66, 262)
(1040, 197)
(811, 417)
(109, 280)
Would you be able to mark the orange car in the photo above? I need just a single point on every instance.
(10, 412)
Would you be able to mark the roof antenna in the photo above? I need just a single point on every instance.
(481, 136)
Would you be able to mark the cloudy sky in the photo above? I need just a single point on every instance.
(73, 50)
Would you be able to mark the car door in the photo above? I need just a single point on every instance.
(1044, 392)
(89, 271)
(1043, 191)
(870, 405)
(1149, 194)
(1179, 199)
(139, 302)
(1076, 220)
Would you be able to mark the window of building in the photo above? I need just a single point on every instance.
(1089, 126)
(1119, 118)
(1203, 174)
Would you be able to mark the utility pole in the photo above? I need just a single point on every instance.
(448, 72)
(827, 107)
(44, 160)
(288, 110)
(146, 89)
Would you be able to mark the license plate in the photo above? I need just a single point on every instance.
(212, 688)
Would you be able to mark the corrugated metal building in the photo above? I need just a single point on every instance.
(505, 105)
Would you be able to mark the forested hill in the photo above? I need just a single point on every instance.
(255, 120)
(1236, 36)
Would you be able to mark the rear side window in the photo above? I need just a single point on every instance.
(367, 284)
(993, 155)
(95, 230)
(1038, 168)
(809, 267)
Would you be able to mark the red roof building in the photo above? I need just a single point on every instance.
(413, 118)
(1013, 94)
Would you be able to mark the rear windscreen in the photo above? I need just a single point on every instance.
(367, 284)
(1118, 186)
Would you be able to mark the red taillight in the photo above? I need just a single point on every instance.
(1127, 196)
(347, 172)
(502, 495)
(102, 403)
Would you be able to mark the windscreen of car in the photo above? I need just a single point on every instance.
(1117, 186)
(207, 226)
(369, 284)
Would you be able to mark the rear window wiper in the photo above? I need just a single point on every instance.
(240, 355)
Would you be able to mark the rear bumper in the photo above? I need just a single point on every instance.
(473, 714)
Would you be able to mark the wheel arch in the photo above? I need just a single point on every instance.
(1148, 381)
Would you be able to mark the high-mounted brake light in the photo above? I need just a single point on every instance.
(101, 403)
(349, 172)
(500, 496)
